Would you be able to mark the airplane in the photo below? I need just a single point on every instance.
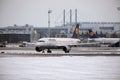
(58, 43)
(106, 41)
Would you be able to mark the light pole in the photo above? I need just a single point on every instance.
(118, 8)
(49, 11)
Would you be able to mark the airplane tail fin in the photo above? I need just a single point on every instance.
(76, 32)
(92, 34)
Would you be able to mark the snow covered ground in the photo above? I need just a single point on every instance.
(60, 68)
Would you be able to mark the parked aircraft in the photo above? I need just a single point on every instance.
(58, 43)
(106, 41)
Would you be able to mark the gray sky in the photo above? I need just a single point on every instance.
(35, 12)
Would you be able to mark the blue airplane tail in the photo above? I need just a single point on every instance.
(92, 34)
(76, 32)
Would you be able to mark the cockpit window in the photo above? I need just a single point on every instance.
(41, 41)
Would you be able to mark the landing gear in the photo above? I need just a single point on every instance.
(43, 51)
(66, 51)
(49, 51)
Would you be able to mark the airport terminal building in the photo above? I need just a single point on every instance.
(29, 33)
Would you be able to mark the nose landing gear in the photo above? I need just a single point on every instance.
(49, 51)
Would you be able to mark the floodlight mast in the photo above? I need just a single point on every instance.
(49, 11)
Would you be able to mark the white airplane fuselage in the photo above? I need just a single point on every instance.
(56, 43)
(105, 40)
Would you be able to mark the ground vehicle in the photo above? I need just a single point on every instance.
(3, 44)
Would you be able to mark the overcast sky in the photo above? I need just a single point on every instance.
(35, 12)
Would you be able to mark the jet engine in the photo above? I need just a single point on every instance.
(66, 49)
(38, 49)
